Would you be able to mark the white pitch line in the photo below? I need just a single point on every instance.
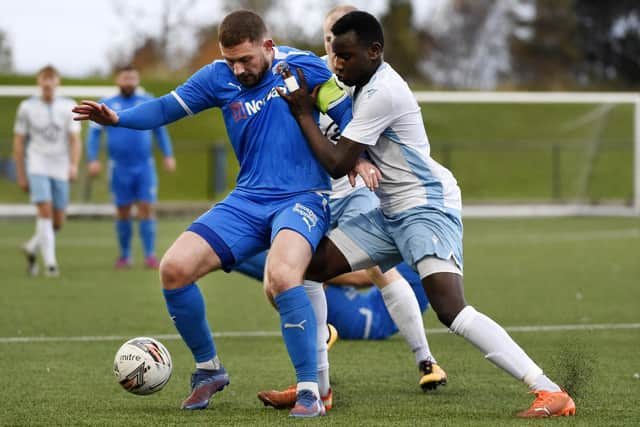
(258, 334)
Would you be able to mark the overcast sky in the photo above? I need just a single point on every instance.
(77, 36)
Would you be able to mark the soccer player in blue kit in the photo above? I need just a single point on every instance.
(131, 169)
(278, 201)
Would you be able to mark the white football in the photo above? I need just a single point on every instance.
(142, 365)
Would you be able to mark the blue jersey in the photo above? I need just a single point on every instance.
(271, 149)
(128, 148)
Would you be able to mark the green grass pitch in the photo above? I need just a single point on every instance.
(542, 272)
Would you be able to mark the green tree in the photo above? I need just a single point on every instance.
(401, 38)
(548, 56)
(609, 37)
(6, 54)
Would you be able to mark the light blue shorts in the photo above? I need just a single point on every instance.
(343, 209)
(376, 239)
(46, 189)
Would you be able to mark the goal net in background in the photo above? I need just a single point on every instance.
(513, 153)
(531, 154)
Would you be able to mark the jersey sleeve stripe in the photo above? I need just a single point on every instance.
(182, 103)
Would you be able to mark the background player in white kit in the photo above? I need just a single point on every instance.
(46, 147)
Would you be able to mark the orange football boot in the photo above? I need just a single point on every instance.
(550, 404)
(287, 398)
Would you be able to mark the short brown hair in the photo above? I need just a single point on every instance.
(128, 67)
(48, 71)
(240, 26)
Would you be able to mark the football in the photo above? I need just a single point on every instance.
(142, 365)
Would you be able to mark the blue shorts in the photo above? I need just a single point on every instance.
(47, 189)
(253, 266)
(134, 184)
(377, 239)
(343, 209)
(244, 224)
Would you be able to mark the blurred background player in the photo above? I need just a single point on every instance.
(132, 171)
(46, 147)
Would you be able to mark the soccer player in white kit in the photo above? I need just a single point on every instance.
(419, 219)
(47, 148)
(347, 201)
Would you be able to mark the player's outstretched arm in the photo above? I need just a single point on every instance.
(337, 159)
(99, 113)
(148, 115)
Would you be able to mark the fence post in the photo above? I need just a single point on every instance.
(556, 179)
(217, 169)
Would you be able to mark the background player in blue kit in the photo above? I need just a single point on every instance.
(363, 315)
(277, 202)
(355, 314)
(132, 172)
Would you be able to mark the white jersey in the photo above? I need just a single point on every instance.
(387, 118)
(47, 127)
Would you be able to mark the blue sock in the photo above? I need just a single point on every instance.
(148, 235)
(299, 330)
(123, 229)
(186, 308)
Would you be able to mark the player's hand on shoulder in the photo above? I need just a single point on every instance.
(368, 171)
(99, 113)
(94, 168)
(300, 101)
(170, 164)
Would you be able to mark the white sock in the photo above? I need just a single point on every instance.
(32, 244)
(405, 312)
(47, 240)
(497, 346)
(212, 365)
(308, 386)
(316, 295)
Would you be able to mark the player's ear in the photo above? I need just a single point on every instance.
(374, 51)
(268, 44)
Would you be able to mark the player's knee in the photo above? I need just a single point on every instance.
(446, 317)
(280, 278)
(173, 273)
